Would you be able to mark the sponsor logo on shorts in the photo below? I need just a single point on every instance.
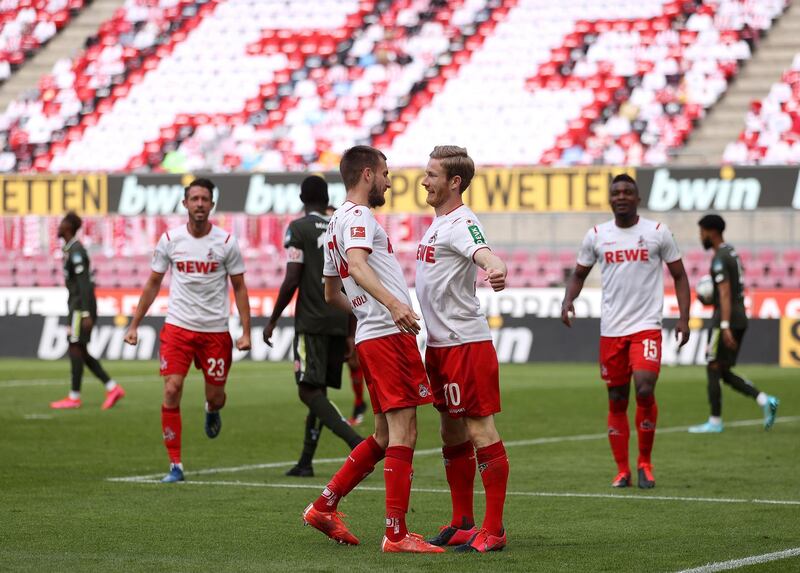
(163, 363)
(358, 232)
(423, 391)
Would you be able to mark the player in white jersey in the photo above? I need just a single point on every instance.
(460, 359)
(360, 258)
(202, 257)
(631, 251)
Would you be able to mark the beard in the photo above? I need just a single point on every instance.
(707, 244)
(375, 198)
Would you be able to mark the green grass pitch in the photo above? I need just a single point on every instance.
(60, 512)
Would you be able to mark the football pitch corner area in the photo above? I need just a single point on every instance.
(80, 490)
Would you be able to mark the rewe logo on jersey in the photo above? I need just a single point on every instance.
(197, 267)
(627, 255)
(426, 253)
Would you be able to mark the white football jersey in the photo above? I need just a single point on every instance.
(354, 227)
(631, 264)
(446, 277)
(198, 295)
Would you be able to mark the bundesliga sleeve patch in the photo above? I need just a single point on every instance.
(476, 234)
(358, 232)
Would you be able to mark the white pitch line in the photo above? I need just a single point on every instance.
(230, 483)
(745, 561)
(438, 451)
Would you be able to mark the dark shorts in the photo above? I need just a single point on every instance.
(318, 359)
(77, 334)
(716, 351)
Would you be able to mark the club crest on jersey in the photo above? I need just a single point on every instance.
(423, 391)
(358, 232)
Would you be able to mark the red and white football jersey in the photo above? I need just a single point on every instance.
(631, 263)
(446, 276)
(354, 227)
(198, 295)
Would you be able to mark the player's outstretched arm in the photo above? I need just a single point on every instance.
(403, 315)
(574, 288)
(334, 295)
(682, 291)
(149, 293)
(243, 306)
(494, 266)
(294, 272)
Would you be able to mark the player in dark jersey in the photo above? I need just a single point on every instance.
(728, 326)
(82, 316)
(320, 339)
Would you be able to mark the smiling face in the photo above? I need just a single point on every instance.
(440, 189)
(199, 203)
(380, 183)
(624, 198)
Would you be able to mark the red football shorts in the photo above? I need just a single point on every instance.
(212, 353)
(465, 379)
(621, 355)
(394, 373)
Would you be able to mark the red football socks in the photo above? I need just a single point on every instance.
(397, 475)
(357, 379)
(171, 427)
(619, 432)
(459, 466)
(493, 465)
(358, 465)
(646, 417)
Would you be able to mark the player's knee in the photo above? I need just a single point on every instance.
(307, 393)
(217, 401)
(645, 390)
(713, 366)
(74, 350)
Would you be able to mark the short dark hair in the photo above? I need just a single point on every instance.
(355, 160)
(625, 178)
(200, 182)
(712, 222)
(314, 191)
(73, 220)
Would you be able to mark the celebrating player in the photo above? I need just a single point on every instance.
(460, 359)
(320, 330)
(359, 256)
(83, 314)
(729, 324)
(202, 257)
(630, 250)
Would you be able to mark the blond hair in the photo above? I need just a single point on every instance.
(456, 162)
